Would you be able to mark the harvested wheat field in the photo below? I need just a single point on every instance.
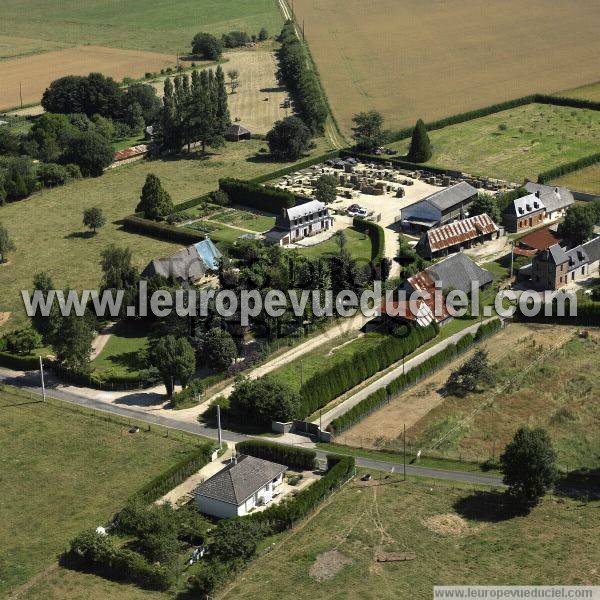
(15, 47)
(429, 59)
(36, 72)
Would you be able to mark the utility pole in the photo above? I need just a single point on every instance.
(21, 93)
(301, 373)
(42, 378)
(219, 426)
(404, 450)
(320, 420)
(512, 249)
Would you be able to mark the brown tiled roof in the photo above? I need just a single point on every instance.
(139, 150)
(459, 232)
(540, 239)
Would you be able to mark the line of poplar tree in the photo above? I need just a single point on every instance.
(194, 110)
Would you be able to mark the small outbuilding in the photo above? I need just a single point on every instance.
(237, 132)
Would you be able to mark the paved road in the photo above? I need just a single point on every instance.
(381, 382)
(29, 382)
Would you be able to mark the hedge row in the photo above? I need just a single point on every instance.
(283, 516)
(141, 380)
(586, 161)
(431, 364)
(588, 313)
(175, 475)
(187, 204)
(329, 383)
(295, 68)
(376, 235)
(258, 196)
(495, 108)
(291, 456)
(162, 231)
(102, 556)
(19, 363)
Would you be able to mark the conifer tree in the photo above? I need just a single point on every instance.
(155, 201)
(420, 146)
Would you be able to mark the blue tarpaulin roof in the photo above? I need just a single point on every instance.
(209, 254)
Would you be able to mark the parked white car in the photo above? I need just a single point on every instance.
(361, 212)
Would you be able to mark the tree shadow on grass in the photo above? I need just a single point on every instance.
(82, 235)
(492, 507)
(582, 483)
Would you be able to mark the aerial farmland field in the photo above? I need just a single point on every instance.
(516, 143)
(428, 59)
(136, 24)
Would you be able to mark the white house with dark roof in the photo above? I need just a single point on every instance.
(245, 483)
(555, 199)
(300, 221)
(441, 207)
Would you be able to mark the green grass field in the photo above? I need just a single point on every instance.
(548, 396)
(516, 143)
(457, 539)
(337, 350)
(48, 232)
(121, 355)
(584, 180)
(357, 243)
(585, 92)
(63, 471)
(136, 24)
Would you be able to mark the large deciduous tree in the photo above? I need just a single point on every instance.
(368, 131)
(73, 343)
(486, 203)
(528, 464)
(578, 226)
(326, 188)
(420, 146)
(91, 152)
(93, 218)
(207, 46)
(219, 349)
(175, 360)
(289, 139)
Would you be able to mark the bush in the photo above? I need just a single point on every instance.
(291, 456)
(376, 235)
(23, 341)
(335, 380)
(257, 196)
(235, 39)
(188, 396)
(52, 175)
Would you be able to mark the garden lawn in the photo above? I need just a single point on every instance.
(326, 355)
(516, 144)
(123, 353)
(555, 544)
(62, 472)
(48, 232)
(357, 243)
(137, 24)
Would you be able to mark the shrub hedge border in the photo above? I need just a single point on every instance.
(588, 313)
(384, 395)
(376, 235)
(291, 456)
(576, 165)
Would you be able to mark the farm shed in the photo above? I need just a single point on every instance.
(236, 132)
(128, 155)
(439, 208)
(457, 235)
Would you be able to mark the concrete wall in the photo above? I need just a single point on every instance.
(216, 508)
(279, 427)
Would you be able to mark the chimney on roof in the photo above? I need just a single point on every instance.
(556, 190)
(538, 194)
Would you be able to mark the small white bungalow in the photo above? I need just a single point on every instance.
(243, 484)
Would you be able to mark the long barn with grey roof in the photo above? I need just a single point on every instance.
(441, 207)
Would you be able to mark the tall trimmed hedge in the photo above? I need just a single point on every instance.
(586, 161)
(258, 196)
(382, 396)
(19, 363)
(331, 382)
(588, 313)
(295, 68)
(162, 231)
(291, 456)
(175, 475)
(376, 235)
